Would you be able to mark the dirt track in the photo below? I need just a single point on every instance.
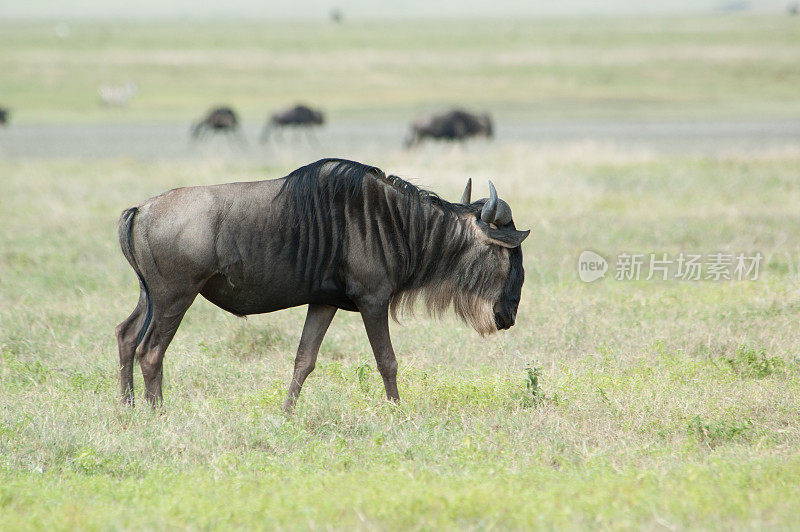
(348, 139)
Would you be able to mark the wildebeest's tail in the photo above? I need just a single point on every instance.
(126, 243)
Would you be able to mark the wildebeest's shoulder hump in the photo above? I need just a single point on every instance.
(323, 181)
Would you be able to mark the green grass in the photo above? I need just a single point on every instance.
(613, 404)
(711, 66)
(621, 405)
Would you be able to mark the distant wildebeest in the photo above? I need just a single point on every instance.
(4, 115)
(335, 234)
(218, 120)
(299, 116)
(452, 125)
(117, 95)
(793, 8)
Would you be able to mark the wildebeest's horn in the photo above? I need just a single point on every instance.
(503, 214)
(465, 197)
(490, 207)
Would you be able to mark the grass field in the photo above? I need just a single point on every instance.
(615, 404)
(731, 66)
(656, 403)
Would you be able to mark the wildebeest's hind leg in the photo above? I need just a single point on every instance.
(167, 315)
(376, 322)
(127, 333)
(317, 321)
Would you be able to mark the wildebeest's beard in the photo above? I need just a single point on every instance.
(468, 285)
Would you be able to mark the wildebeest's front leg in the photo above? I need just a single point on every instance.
(317, 321)
(376, 322)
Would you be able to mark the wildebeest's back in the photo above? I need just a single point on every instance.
(298, 115)
(224, 239)
(258, 251)
(452, 125)
(173, 233)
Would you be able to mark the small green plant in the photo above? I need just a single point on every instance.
(362, 372)
(714, 433)
(603, 396)
(534, 396)
(753, 363)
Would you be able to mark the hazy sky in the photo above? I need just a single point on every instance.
(367, 8)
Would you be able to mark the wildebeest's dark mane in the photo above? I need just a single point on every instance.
(306, 186)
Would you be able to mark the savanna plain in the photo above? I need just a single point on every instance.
(615, 404)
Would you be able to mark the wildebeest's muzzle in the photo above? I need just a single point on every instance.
(505, 318)
(505, 310)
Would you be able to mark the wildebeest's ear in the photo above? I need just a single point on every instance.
(465, 197)
(508, 238)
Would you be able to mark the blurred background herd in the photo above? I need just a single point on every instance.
(352, 78)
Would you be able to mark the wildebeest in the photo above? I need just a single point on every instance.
(301, 116)
(4, 114)
(452, 125)
(218, 120)
(334, 234)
